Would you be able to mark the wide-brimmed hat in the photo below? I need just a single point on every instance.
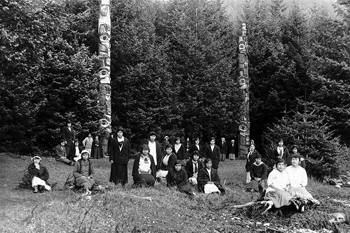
(85, 151)
(36, 157)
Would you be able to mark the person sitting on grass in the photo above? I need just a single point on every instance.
(38, 175)
(278, 186)
(177, 177)
(61, 154)
(144, 168)
(192, 167)
(84, 173)
(209, 180)
(258, 174)
(250, 160)
(167, 163)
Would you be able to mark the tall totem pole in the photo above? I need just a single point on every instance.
(104, 53)
(243, 80)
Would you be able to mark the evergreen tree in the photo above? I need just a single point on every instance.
(315, 140)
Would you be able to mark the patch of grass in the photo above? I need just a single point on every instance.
(121, 210)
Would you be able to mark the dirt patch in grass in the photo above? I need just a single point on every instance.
(120, 210)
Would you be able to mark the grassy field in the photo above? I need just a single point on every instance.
(122, 210)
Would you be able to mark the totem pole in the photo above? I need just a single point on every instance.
(104, 50)
(243, 80)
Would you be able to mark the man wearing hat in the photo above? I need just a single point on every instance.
(119, 158)
(155, 149)
(68, 135)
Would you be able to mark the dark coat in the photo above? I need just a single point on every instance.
(204, 178)
(69, 136)
(181, 153)
(285, 155)
(232, 148)
(250, 160)
(189, 167)
(135, 168)
(258, 171)
(171, 163)
(42, 173)
(194, 148)
(223, 147)
(176, 178)
(60, 151)
(213, 155)
(119, 156)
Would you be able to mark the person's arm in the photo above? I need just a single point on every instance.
(76, 171)
(92, 170)
(172, 161)
(252, 172)
(45, 175)
(264, 175)
(215, 178)
(184, 177)
(33, 170)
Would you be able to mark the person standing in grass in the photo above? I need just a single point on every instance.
(84, 173)
(179, 149)
(177, 177)
(68, 134)
(232, 150)
(144, 168)
(281, 152)
(96, 148)
(197, 147)
(87, 143)
(119, 158)
(223, 149)
(38, 175)
(155, 149)
(212, 152)
(209, 180)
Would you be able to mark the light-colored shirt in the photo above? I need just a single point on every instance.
(209, 172)
(177, 147)
(212, 147)
(153, 150)
(87, 142)
(166, 159)
(278, 179)
(297, 176)
(145, 164)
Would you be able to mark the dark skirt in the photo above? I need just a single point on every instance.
(119, 173)
(145, 179)
(215, 164)
(97, 152)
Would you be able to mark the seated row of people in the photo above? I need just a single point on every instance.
(283, 184)
(144, 172)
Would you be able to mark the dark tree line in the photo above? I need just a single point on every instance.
(173, 69)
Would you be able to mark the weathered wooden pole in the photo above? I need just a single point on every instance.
(104, 53)
(243, 80)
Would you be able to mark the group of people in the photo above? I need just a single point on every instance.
(285, 182)
(184, 168)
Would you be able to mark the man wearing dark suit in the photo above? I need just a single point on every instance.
(155, 149)
(212, 152)
(68, 134)
(223, 149)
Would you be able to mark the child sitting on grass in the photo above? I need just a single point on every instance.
(84, 172)
(177, 177)
(38, 175)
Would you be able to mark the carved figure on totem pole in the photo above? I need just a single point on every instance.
(243, 81)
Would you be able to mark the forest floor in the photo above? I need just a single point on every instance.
(124, 210)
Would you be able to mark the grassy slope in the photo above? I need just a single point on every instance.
(117, 211)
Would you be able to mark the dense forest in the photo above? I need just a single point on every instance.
(174, 71)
